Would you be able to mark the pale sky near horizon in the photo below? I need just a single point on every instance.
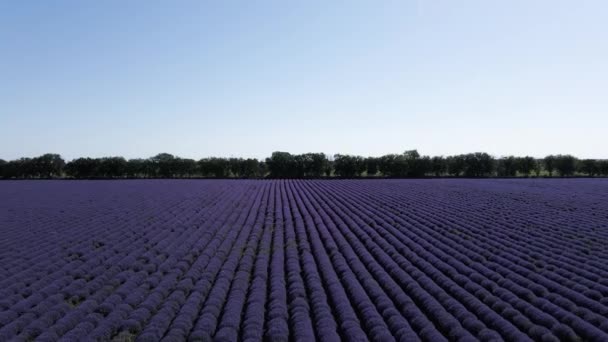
(241, 78)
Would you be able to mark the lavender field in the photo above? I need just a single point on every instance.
(304, 260)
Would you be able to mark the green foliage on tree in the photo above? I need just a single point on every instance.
(478, 164)
(507, 166)
(456, 165)
(526, 165)
(549, 163)
(565, 165)
(590, 167)
(349, 166)
(308, 165)
(371, 166)
(439, 166)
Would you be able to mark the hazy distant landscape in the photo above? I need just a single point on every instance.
(309, 165)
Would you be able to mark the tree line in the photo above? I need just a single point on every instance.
(308, 165)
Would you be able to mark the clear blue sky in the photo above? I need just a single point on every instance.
(244, 78)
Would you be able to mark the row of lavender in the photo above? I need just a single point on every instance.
(432, 260)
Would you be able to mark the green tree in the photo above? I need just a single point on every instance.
(387, 165)
(603, 167)
(48, 165)
(422, 167)
(315, 164)
(249, 168)
(244, 168)
(82, 168)
(507, 166)
(439, 166)
(262, 170)
(235, 166)
(589, 167)
(416, 166)
(3, 165)
(281, 165)
(549, 163)
(111, 167)
(348, 166)
(329, 168)
(137, 168)
(526, 165)
(164, 165)
(538, 167)
(456, 165)
(478, 164)
(185, 167)
(371, 166)
(565, 165)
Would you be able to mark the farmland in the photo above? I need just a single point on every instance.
(303, 260)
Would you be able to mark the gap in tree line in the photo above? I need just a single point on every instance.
(307, 165)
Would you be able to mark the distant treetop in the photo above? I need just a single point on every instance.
(308, 165)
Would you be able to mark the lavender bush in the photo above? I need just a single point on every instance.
(303, 260)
